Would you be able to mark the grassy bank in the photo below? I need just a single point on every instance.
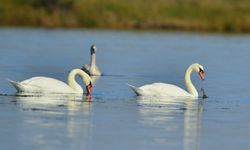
(188, 15)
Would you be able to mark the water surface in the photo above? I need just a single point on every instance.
(115, 118)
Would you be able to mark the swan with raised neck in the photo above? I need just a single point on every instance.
(92, 68)
(164, 89)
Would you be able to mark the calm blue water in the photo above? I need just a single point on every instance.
(115, 118)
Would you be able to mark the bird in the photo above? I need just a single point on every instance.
(164, 89)
(92, 68)
(45, 85)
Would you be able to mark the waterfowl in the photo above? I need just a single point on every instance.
(42, 84)
(92, 68)
(164, 89)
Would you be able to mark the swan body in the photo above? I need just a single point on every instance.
(49, 85)
(158, 88)
(164, 89)
(92, 68)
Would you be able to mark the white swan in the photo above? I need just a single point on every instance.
(91, 68)
(163, 89)
(50, 85)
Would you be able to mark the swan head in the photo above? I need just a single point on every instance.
(88, 83)
(93, 49)
(199, 69)
(88, 89)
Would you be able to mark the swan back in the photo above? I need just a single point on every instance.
(160, 89)
(42, 85)
(163, 89)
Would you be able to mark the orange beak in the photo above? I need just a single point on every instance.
(88, 89)
(202, 75)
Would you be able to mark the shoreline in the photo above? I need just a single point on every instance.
(122, 29)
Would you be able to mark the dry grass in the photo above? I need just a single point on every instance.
(189, 15)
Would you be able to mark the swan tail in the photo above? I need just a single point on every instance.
(135, 89)
(17, 85)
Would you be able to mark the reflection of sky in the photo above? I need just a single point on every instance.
(64, 116)
(114, 120)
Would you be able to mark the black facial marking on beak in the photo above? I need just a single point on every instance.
(88, 89)
(200, 70)
(201, 74)
(92, 49)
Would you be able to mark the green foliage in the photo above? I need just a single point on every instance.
(199, 15)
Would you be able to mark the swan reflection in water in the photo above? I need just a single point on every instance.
(48, 118)
(169, 115)
(193, 124)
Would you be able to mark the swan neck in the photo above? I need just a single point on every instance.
(93, 59)
(190, 87)
(72, 81)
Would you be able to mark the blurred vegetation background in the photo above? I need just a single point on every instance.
(187, 15)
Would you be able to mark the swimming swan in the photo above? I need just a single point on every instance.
(50, 85)
(163, 89)
(91, 68)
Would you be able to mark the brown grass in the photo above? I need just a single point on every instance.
(188, 15)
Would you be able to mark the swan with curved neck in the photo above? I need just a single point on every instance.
(49, 85)
(92, 68)
(163, 89)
